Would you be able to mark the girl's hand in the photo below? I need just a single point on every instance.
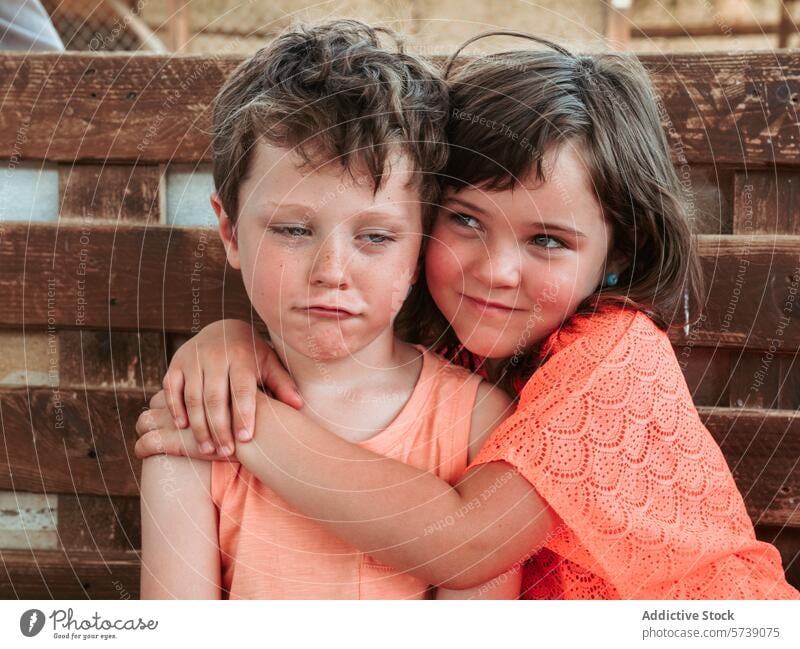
(225, 362)
(158, 434)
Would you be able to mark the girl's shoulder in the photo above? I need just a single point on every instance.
(602, 330)
(609, 342)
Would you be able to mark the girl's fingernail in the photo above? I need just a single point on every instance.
(225, 450)
(243, 435)
(207, 447)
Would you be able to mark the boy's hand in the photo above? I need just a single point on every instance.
(158, 434)
(224, 363)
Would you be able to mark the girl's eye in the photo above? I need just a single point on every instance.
(544, 241)
(465, 219)
(294, 231)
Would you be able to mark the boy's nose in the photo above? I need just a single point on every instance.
(330, 267)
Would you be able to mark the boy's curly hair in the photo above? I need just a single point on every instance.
(332, 92)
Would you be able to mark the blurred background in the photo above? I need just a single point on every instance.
(433, 26)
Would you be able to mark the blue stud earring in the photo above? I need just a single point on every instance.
(612, 279)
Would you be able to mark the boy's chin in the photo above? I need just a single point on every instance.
(326, 345)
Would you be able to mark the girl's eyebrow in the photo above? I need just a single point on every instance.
(466, 204)
(547, 227)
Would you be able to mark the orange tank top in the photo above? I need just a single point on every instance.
(271, 551)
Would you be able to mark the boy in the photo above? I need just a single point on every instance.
(326, 148)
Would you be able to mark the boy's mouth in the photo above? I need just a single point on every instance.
(325, 311)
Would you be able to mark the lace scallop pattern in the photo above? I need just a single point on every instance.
(607, 433)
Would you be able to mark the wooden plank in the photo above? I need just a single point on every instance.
(737, 378)
(28, 358)
(99, 523)
(752, 294)
(117, 192)
(73, 575)
(111, 107)
(28, 521)
(707, 192)
(767, 202)
(762, 448)
(707, 374)
(174, 279)
(737, 109)
(757, 381)
(137, 278)
(731, 108)
(111, 358)
(70, 441)
(787, 540)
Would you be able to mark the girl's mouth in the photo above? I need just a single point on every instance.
(487, 308)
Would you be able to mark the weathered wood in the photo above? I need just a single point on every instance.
(738, 378)
(118, 192)
(69, 575)
(107, 277)
(92, 453)
(787, 540)
(767, 202)
(752, 294)
(762, 448)
(99, 523)
(174, 279)
(70, 441)
(118, 359)
(111, 107)
(735, 109)
(758, 381)
(707, 191)
(707, 374)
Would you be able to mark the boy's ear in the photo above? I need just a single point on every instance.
(227, 231)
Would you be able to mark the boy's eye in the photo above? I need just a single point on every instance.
(544, 241)
(465, 219)
(377, 237)
(291, 230)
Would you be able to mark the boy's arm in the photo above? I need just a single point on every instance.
(505, 586)
(180, 552)
(458, 537)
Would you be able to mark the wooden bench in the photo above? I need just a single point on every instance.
(100, 284)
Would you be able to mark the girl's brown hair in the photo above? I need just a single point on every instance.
(509, 109)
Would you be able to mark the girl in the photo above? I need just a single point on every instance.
(559, 259)
(318, 241)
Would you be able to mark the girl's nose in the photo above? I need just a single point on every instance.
(329, 269)
(498, 267)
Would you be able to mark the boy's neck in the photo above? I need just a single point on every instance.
(384, 355)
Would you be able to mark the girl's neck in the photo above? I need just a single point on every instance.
(375, 363)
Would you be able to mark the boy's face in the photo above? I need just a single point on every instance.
(326, 262)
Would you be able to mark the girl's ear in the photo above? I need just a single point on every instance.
(227, 232)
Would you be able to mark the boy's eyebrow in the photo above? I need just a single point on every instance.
(547, 227)
(309, 207)
(387, 214)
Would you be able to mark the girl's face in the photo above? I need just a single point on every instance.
(506, 268)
